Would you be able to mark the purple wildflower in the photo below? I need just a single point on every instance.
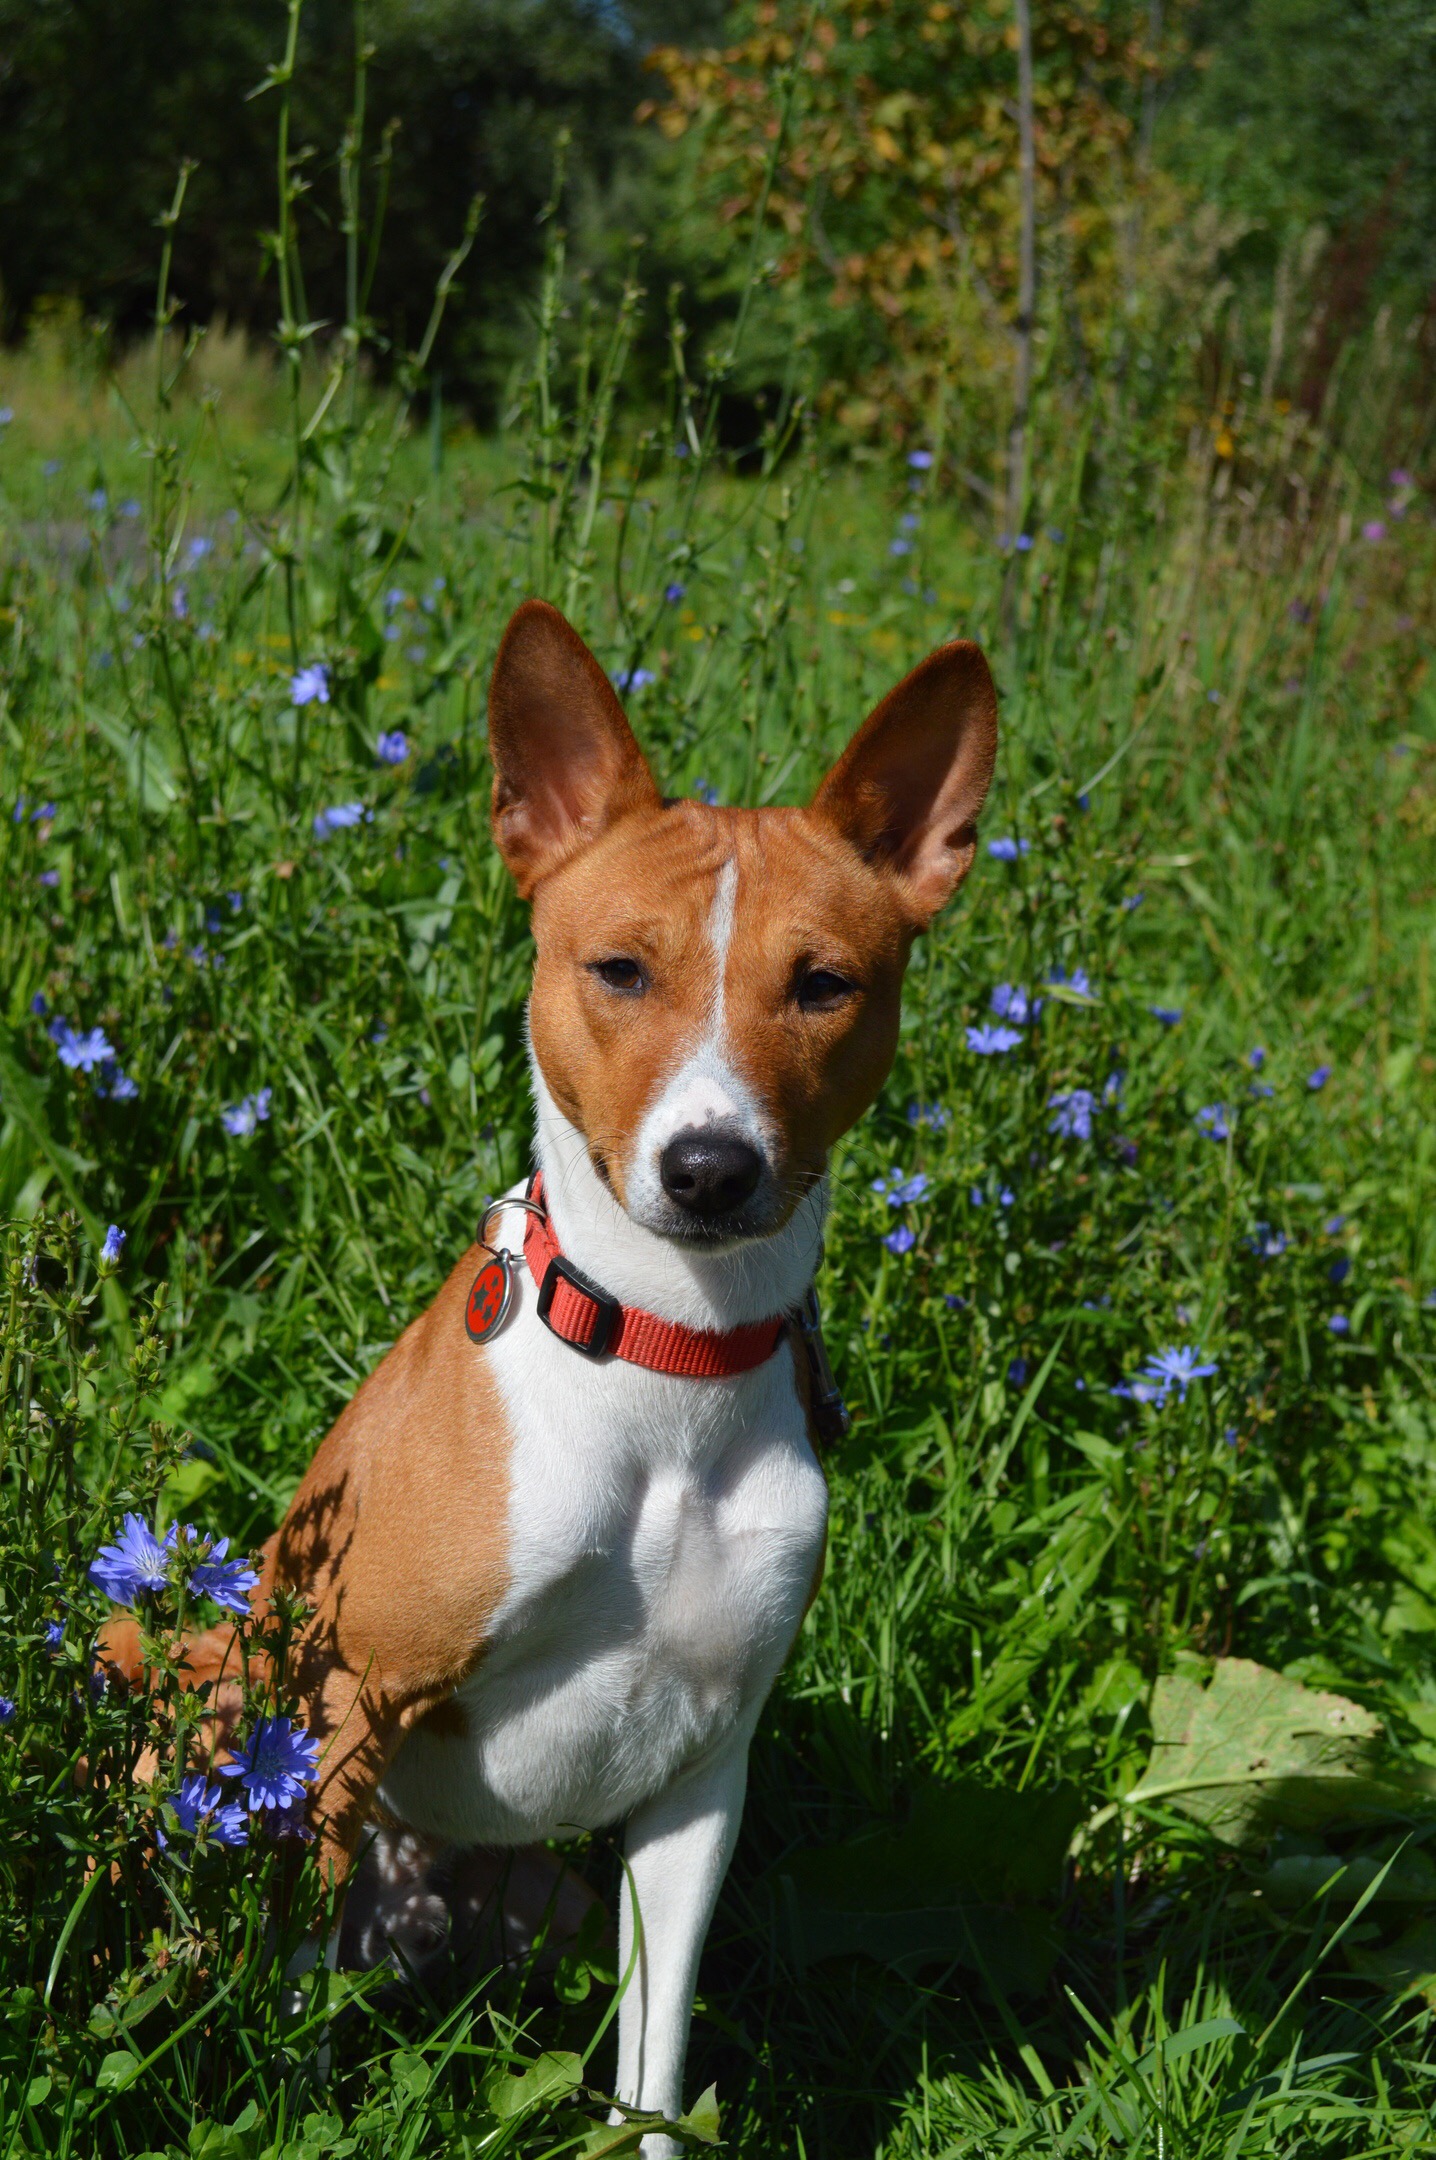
(1074, 1109)
(137, 1561)
(228, 1582)
(240, 1119)
(310, 686)
(1014, 1003)
(901, 1240)
(989, 1041)
(1008, 850)
(113, 1246)
(1214, 1121)
(1339, 1324)
(1317, 1080)
(275, 1764)
(392, 747)
(1169, 1015)
(336, 818)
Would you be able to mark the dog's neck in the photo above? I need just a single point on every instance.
(719, 1289)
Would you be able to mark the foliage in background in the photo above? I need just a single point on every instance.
(100, 103)
(897, 194)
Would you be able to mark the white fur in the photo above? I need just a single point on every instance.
(706, 1090)
(664, 1534)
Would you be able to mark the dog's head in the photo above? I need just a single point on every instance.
(715, 995)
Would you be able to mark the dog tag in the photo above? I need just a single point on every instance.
(489, 1296)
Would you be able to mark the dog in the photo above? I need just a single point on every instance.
(558, 1546)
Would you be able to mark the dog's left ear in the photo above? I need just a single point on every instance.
(565, 761)
(907, 790)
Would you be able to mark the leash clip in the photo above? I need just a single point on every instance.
(832, 1420)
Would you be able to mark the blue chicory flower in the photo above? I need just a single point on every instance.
(1340, 1268)
(337, 818)
(392, 747)
(1006, 1197)
(1008, 850)
(136, 1562)
(637, 678)
(81, 1053)
(1014, 1003)
(920, 460)
(1256, 1058)
(1334, 1225)
(1169, 1015)
(1017, 1372)
(275, 1764)
(705, 792)
(310, 686)
(39, 1005)
(198, 1804)
(989, 1041)
(1074, 1109)
(7, 1709)
(930, 1114)
(54, 1634)
(114, 1244)
(674, 593)
(1339, 1324)
(1078, 982)
(901, 1240)
(228, 1582)
(1132, 902)
(1176, 1368)
(240, 1119)
(1266, 1243)
(1214, 1121)
(910, 1190)
(1318, 1079)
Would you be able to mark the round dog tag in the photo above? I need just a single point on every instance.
(488, 1298)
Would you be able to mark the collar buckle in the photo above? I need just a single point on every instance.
(607, 1312)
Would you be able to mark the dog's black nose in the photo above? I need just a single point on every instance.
(709, 1173)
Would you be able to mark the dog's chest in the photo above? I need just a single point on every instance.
(664, 1535)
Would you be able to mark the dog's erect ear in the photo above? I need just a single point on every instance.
(907, 790)
(565, 761)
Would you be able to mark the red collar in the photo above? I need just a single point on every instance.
(579, 1313)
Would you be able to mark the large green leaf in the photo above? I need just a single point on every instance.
(1253, 1750)
(957, 1882)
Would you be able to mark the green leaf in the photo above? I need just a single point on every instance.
(551, 2077)
(1254, 1750)
(116, 2071)
(701, 2121)
(950, 1884)
(1405, 1967)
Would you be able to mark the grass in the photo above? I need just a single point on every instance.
(958, 1923)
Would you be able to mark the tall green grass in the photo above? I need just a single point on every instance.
(956, 1923)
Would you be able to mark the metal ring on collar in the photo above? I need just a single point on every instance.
(496, 1207)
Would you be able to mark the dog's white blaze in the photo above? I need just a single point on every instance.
(707, 1088)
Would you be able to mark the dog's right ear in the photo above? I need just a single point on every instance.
(565, 761)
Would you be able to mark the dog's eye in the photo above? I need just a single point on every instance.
(619, 973)
(824, 990)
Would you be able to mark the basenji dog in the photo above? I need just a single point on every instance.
(559, 1545)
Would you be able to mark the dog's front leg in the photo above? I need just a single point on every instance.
(679, 1845)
